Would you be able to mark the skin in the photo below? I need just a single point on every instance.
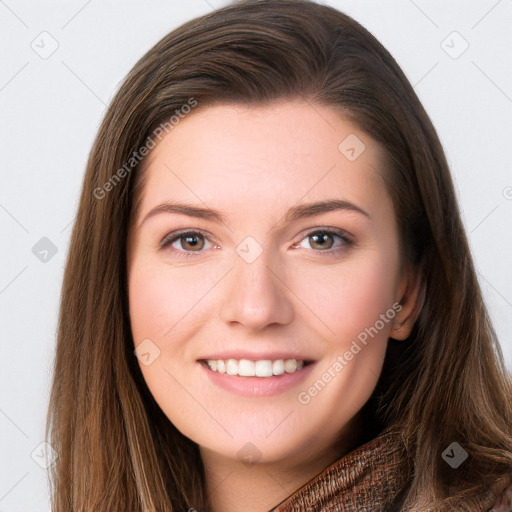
(253, 164)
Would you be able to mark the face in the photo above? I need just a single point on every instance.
(230, 260)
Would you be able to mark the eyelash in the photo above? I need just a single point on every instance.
(169, 239)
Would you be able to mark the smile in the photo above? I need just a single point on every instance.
(262, 368)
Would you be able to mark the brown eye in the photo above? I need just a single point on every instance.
(191, 242)
(185, 242)
(321, 240)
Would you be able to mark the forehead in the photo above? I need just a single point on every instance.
(265, 158)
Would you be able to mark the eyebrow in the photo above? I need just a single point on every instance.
(295, 213)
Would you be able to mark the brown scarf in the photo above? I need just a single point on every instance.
(368, 479)
(365, 480)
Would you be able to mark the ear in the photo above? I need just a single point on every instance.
(410, 296)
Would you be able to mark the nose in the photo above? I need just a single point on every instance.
(256, 295)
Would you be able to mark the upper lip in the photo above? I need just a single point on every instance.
(255, 356)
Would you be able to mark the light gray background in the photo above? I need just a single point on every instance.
(51, 108)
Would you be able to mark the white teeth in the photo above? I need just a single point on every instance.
(248, 368)
(232, 367)
(221, 366)
(278, 367)
(263, 368)
(290, 365)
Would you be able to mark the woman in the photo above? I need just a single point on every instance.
(269, 301)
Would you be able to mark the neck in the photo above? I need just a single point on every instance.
(233, 485)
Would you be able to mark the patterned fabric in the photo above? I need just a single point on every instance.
(365, 480)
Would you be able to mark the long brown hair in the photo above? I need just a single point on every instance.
(446, 383)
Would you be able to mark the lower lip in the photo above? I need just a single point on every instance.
(257, 386)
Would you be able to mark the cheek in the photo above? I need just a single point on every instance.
(349, 298)
(170, 306)
(355, 306)
(150, 303)
(164, 306)
(160, 297)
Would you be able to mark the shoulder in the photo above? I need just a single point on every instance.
(504, 501)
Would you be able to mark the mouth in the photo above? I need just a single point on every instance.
(264, 368)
